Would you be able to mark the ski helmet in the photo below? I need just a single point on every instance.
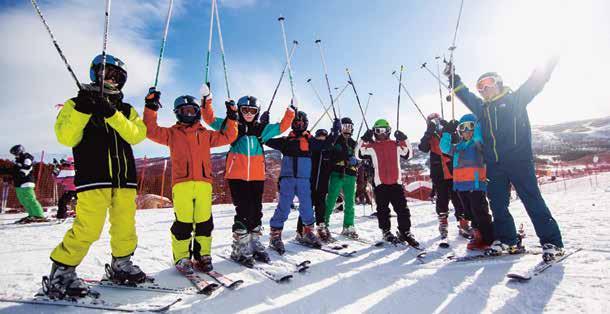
(247, 101)
(433, 116)
(381, 123)
(17, 150)
(300, 122)
(489, 78)
(187, 117)
(382, 129)
(321, 132)
(115, 68)
(467, 123)
(347, 126)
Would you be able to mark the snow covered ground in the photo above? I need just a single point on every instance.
(376, 280)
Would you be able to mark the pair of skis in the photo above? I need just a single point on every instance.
(280, 271)
(538, 268)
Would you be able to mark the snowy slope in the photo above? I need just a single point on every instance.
(374, 281)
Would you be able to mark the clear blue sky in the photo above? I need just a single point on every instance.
(372, 38)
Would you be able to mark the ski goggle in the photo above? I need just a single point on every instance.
(347, 127)
(298, 125)
(466, 126)
(248, 110)
(381, 130)
(114, 74)
(188, 110)
(321, 132)
(486, 82)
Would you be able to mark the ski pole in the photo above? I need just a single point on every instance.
(357, 98)
(207, 58)
(437, 77)
(294, 46)
(320, 100)
(410, 97)
(165, 30)
(440, 91)
(61, 54)
(105, 44)
(281, 19)
(328, 107)
(366, 109)
(330, 95)
(222, 50)
(452, 49)
(398, 106)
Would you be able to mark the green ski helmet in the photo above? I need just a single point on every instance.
(381, 123)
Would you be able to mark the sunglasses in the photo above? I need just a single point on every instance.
(466, 126)
(381, 130)
(486, 82)
(249, 110)
(188, 110)
(347, 127)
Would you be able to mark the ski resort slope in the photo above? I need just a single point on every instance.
(385, 280)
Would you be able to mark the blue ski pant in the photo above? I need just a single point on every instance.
(289, 187)
(522, 175)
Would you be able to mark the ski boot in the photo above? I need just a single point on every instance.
(323, 233)
(388, 236)
(185, 266)
(408, 237)
(476, 243)
(443, 225)
(63, 282)
(241, 252)
(497, 248)
(550, 252)
(464, 229)
(309, 238)
(275, 240)
(350, 232)
(203, 263)
(122, 271)
(258, 249)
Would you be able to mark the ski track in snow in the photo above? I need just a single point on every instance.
(374, 281)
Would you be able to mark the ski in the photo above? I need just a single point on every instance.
(538, 269)
(300, 266)
(267, 270)
(482, 256)
(203, 286)
(328, 249)
(90, 303)
(224, 280)
(148, 285)
(401, 245)
(361, 240)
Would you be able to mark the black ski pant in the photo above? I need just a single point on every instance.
(444, 193)
(475, 202)
(318, 199)
(386, 194)
(248, 201)
(62, 205)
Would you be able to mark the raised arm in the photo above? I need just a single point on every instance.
(154, 132)
(469, 99)
(131, 129)
(229, 134)
(535, 83)
(70, 124)
(273, 130)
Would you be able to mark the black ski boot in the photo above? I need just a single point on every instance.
(389, 237)
(122, 271)
(275, 240)
(258, 249)
(408, 237)
(63, 282)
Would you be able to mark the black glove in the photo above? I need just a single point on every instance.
(85, 101)
(443, 122)
(448, 68)
(106, 108)
(264, 119)
(431, 128)
(231, 109)
(451, 126)
(336, 126)
(400, 136)
(152, 100)
(367, 136)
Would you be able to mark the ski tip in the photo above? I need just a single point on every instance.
(284, 279)
(444, 245)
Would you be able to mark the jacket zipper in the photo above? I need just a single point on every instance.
(496, 116)
(231, 165)
(515, 129)
(493, 137)
(116, 145)
(248, 172)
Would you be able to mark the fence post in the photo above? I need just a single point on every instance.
(142, 175)
(39, 172)
(163, 177)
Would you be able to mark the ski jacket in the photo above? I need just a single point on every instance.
(339, 154)
(22, 171)
(469, 172)
(504, 120)
(246, 158)
(296, 155)
(189, 146)
(101, 146)
(440, 164)
(385, 156)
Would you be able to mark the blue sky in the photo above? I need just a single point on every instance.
(372, 38)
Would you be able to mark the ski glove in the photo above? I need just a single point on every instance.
(353, 161)
(367, 136)
(400, 136)
(85, 101)
(206, 94)
(106, 108)
(152, 100)
(231, 110)
(431, 128)
(264, 119)
(448, 68)
(336, 126)
(451, 126)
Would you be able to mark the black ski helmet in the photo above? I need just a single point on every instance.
(300, 117)
(17, 150)
(111, 61)
(183, 101)
(247, 101)
(347, 120)
(321, 132)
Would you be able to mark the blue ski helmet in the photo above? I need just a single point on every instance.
(183, 101)
(468, 117)
(111, 61)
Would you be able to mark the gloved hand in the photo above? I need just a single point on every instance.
(152, 100)
(367, 136)
(206, 95)
(264, 118)
(449, 68)
(85, 101)
(336, 126)
(293, 104)
(400, 136)
(231, 109)
(451, 126)
(353, 161)
(431, 128)
(106, 108)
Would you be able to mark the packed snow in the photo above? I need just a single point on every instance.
(375, 280)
